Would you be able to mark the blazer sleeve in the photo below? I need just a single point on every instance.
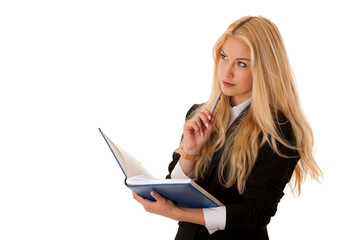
(264, 188)
(175, 159)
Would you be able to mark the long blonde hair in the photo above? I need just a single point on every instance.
(273, 92)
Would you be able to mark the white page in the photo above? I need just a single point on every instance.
(129, 164)
(138, 180)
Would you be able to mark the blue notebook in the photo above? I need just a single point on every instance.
(184, 192)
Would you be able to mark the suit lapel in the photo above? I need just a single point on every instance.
(212, 171)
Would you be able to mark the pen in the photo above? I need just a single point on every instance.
(216, 103)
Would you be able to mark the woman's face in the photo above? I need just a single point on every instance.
(234, 69)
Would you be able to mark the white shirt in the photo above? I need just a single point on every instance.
(215, 218)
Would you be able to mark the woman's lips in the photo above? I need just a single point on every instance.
(226, 84)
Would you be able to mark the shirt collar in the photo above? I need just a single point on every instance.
(236, 110)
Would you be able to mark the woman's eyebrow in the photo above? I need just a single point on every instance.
(241, 58)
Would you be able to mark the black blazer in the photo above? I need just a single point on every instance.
(247, 215)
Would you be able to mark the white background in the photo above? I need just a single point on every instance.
(134, 68)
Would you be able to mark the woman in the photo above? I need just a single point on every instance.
(255, 142)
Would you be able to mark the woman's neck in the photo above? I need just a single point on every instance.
(237, 100)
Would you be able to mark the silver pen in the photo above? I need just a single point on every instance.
(216, 103)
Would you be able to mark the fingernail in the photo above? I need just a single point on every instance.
(209, 117)
(207, 125)
(152, 193)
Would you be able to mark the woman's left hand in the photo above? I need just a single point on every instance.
(161, 206)
(167, 208)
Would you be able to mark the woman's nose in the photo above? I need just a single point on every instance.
(229, 71)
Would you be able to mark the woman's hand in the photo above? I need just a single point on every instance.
(197, 131)
(161, 206)
(166, 208)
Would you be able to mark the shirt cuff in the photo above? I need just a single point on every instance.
(178, 173)
(215, 218)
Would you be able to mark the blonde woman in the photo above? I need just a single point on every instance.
(254, 144)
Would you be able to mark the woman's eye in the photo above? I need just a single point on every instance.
(241, 64)
(223, 56)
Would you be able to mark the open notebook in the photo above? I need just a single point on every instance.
(184, 192)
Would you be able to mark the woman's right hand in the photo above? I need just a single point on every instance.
(197, 131)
